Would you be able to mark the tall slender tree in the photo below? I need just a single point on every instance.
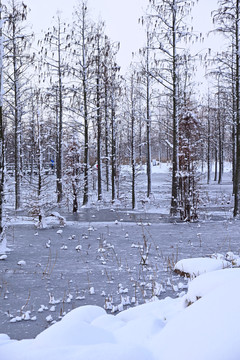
(227, 18)
(99, 95)
(18, 61)
(82, 69)
(53, 50)
(148, 117)
(169, 29)
(114, 89)
(1, 126)
(133, 140)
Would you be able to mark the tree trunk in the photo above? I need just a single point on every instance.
(113, 155)
(85, 105)
(219, 139)
(1, 128)
(17, 124)
(75, 200)
(60, 124)
(133, 161)
(208, 146)
(149, 169)
(237, 173)
(233, 128)
(99, 158)
(234, 157)
(174, 200)
(216, 163)
(140, 141)
(40, 162)
(106, 131)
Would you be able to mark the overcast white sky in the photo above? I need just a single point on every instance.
(120, 16)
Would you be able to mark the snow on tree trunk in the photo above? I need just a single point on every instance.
(85, 106)
(113, 150)
(106, 126)
(237, 179)
(133, 161)
(174, 199)
(149, 168)
(17, 121)
(60, 120)
(228, 17)
(208, 144)
(99, 120)
(1, 127)
(41, 220)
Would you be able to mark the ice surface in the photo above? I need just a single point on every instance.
(105, 258)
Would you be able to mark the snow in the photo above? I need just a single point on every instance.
(203, 324)
(47, 222)
(21, 263)
(209, 282)
(4, 248)
(207, 330)
(198, 266)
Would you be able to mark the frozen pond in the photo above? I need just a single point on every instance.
(116, 262)
(111, 257)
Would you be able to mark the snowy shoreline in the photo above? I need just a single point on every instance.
(203, 324)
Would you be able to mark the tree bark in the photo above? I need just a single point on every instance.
(237, 173)
(85, 106)
(60, 123)
(174, 200)
(133, 161)
(149, 167)
(1, 128)
(99, 124)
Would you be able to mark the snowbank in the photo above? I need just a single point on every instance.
(209, 282)
(197, 266)
(208, 329)
(203, 324)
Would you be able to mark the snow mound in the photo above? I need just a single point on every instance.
(53, 219)
(209, 328)
(84, 333)
(197, 266)
(209, 282)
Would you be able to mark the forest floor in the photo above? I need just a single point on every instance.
(108, 256)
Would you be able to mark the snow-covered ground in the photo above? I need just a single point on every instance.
(120, 263)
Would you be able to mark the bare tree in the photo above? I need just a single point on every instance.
(53, 51)
(227, 18)
(1, 127)
(82, 39)
(114, 89)
(169, 30)
(19, 60)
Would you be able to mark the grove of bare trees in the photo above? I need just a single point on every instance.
(69, 117)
